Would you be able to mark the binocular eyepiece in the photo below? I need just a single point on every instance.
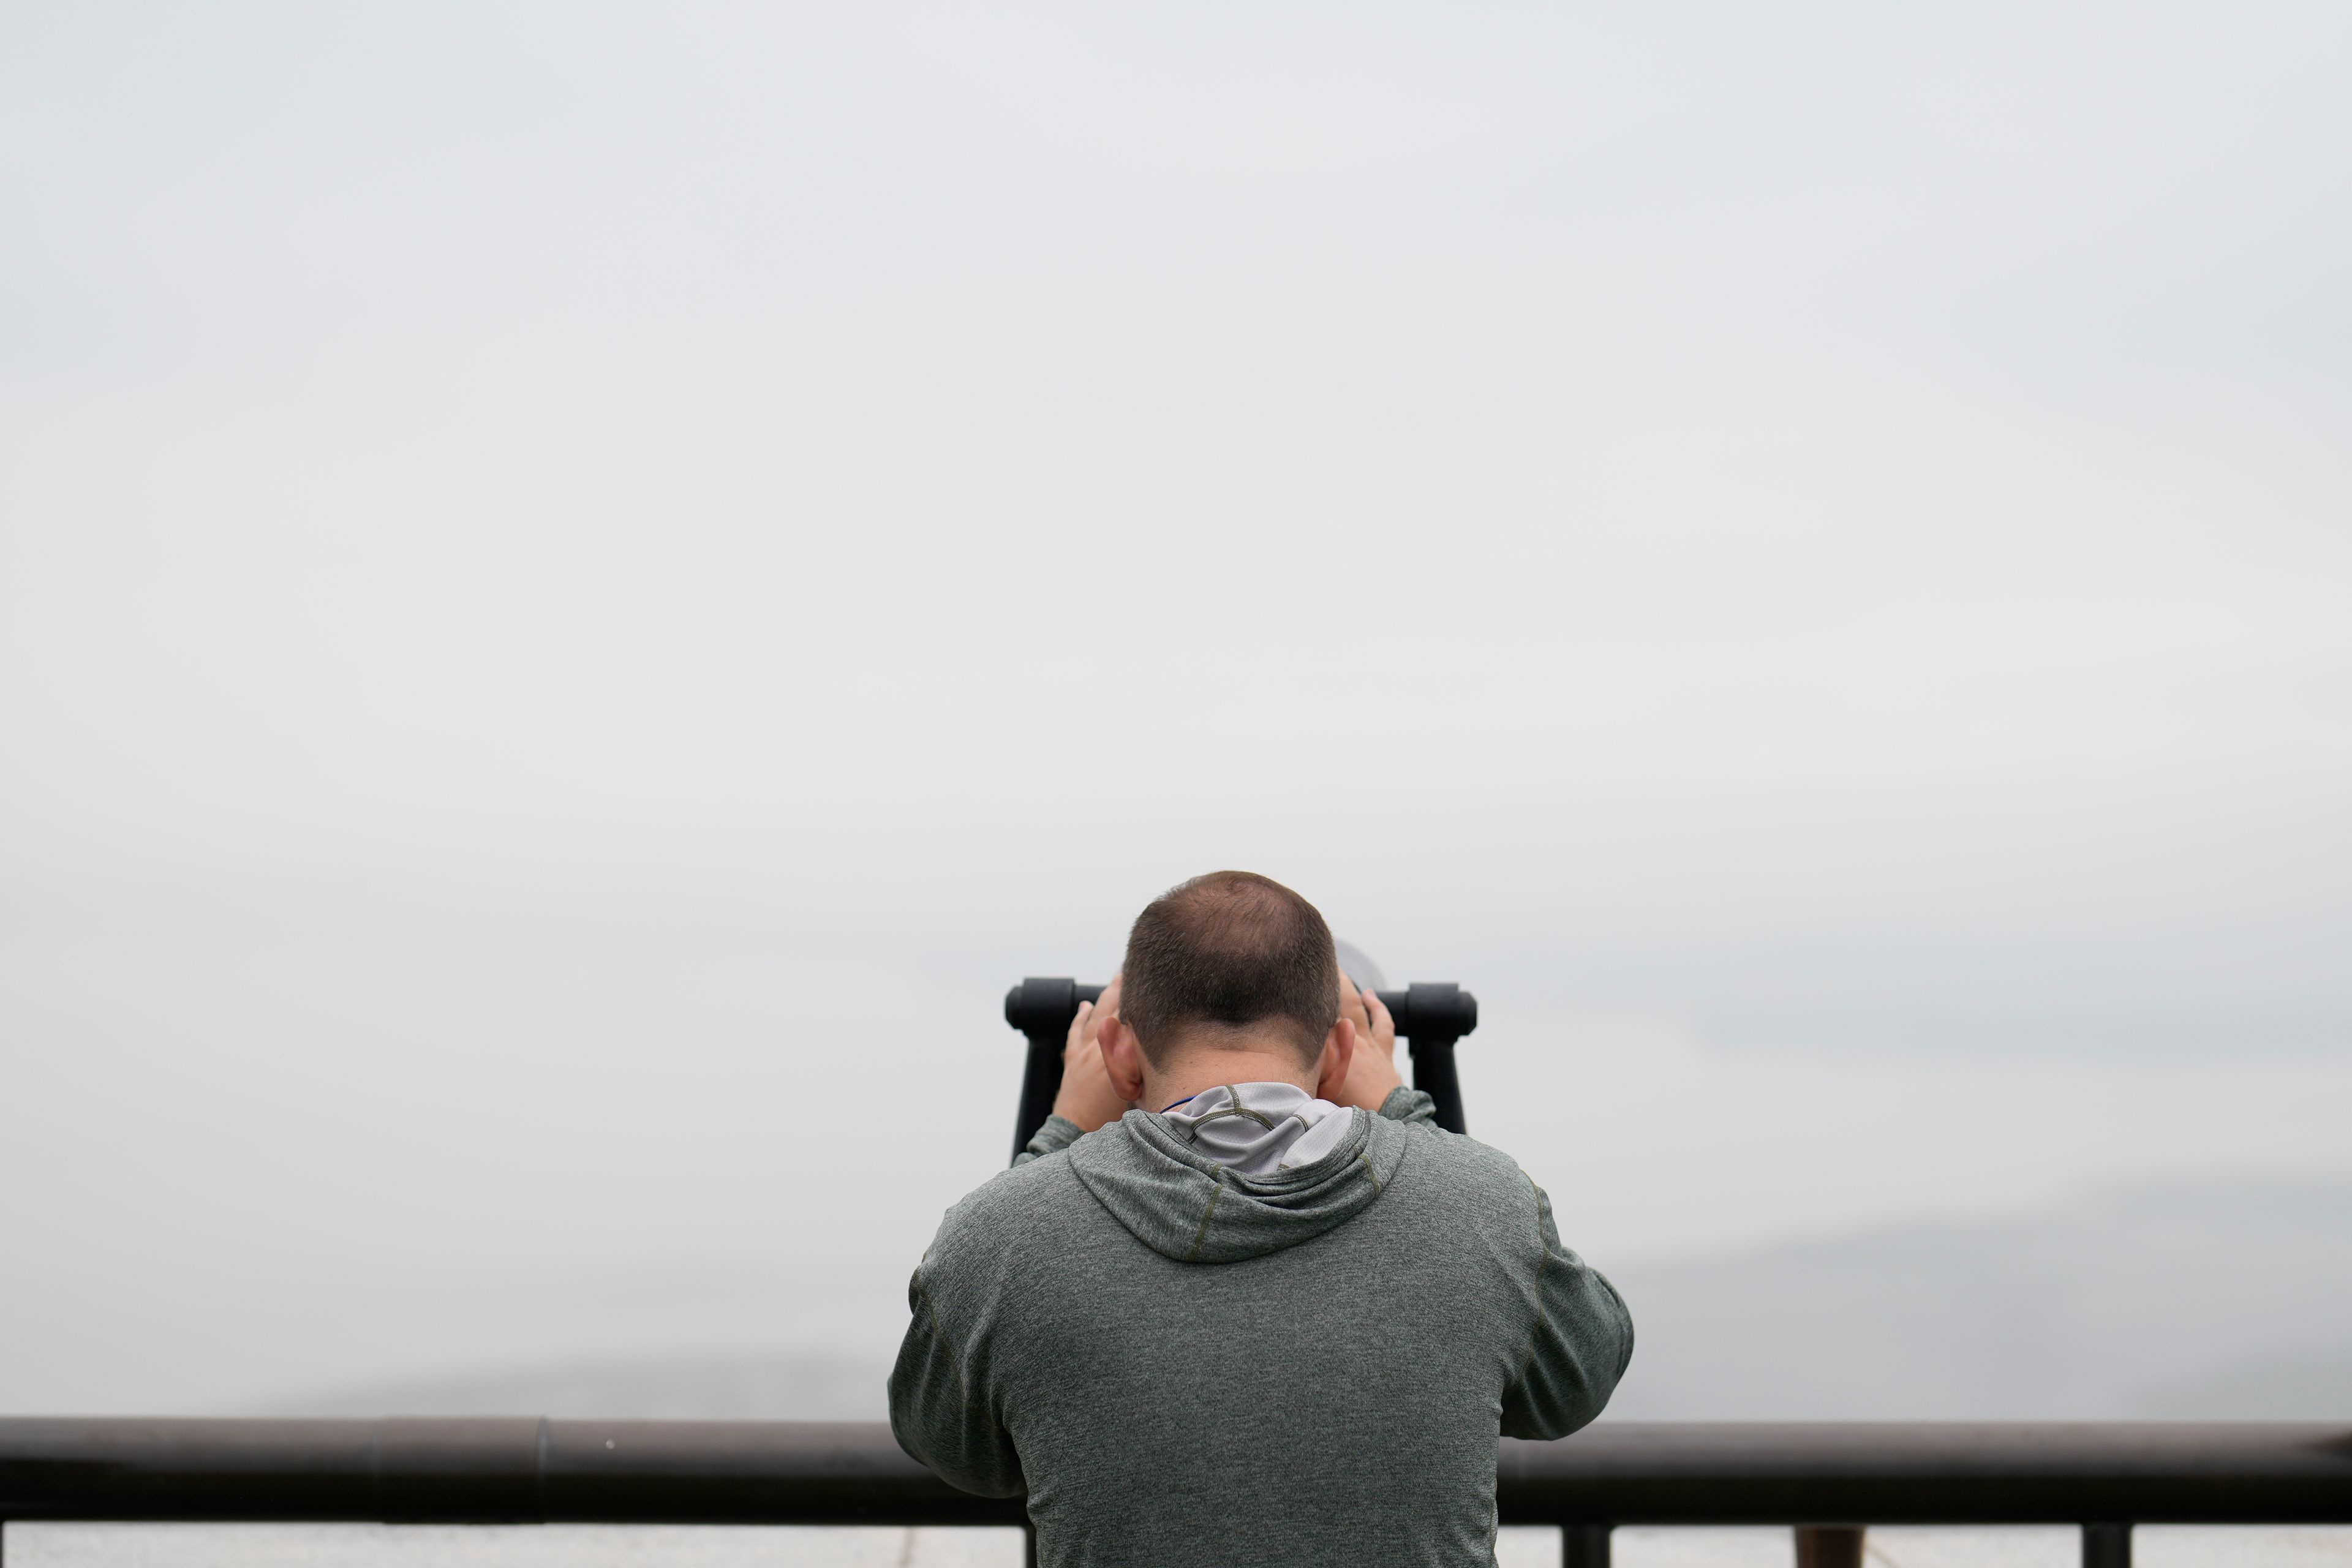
(1431, 1018)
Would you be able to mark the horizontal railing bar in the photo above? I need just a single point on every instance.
(526, 1469)
(1934, 1473)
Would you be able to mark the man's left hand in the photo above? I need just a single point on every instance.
(1372, 1070)
(1086, 1097)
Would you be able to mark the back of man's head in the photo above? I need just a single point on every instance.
(1231, 950)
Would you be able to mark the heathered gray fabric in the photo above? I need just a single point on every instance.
(1179, 1366)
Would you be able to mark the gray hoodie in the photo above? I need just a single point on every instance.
(1179, 1367)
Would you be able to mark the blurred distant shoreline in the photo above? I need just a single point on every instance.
(2221, 1299)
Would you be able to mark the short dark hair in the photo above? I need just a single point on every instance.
(1231, 947)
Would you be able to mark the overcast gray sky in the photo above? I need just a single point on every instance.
(581, 587)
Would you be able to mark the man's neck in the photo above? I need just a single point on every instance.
(1189, 1073)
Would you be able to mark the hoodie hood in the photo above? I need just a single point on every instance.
(1183, 1205)
(1258, 1129)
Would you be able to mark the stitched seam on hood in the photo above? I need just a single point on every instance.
(1232, 1107)
(1242, 1111)
(1202, 1235)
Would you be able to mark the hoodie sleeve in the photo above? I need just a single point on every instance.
(938, 1416)
(1410, 1105)
(1583, 1338)
(1057, 1134)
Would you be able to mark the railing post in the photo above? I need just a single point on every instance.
(1831, 1546)
(2107, 1546)
(1584, 1546)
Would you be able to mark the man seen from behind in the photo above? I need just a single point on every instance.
(1240, 1301)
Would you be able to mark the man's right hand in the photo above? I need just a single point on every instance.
(1086, 1097)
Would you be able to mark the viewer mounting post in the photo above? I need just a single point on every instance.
(1431, 1017)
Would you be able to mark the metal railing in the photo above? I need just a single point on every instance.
(1830, 1479)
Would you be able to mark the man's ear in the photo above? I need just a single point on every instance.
(1122, 1057)
(1339, 1052)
